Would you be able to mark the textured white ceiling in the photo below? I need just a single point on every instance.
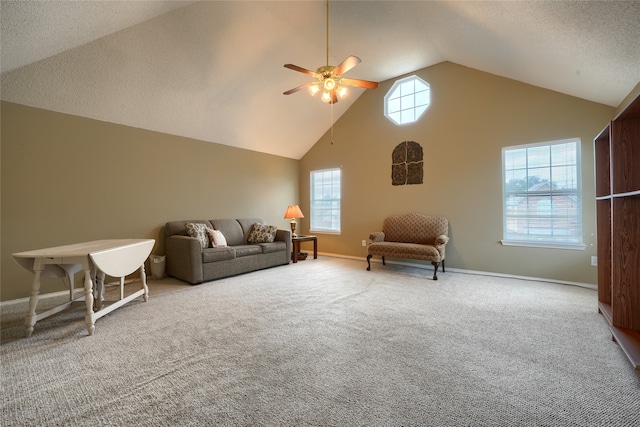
(214, 71)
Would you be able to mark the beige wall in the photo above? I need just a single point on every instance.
(67, 179)
(472, 116)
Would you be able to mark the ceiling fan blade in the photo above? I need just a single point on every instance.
(300, 69)
(359, 83)
(346, 65)
(294, 90)
(334, 97)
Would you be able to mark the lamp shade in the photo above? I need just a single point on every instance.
(293, 211)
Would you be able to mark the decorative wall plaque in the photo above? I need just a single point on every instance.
(407, 164)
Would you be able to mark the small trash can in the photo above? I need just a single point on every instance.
(157, 266)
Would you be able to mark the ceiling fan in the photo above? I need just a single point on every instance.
(329, 78)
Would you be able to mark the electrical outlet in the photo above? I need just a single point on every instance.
(364, 243)
(594, 260)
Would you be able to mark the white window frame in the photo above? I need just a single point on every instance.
(550, 232)
(325, 215)
(403, 104)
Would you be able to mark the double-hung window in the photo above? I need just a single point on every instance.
(542, 199)
(325, 200)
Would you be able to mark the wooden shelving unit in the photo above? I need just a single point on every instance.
(617, 169)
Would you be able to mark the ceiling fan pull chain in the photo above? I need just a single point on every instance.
(331, 105)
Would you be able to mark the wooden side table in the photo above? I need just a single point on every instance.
(296, 246)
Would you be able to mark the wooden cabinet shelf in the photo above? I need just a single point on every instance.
(617, 167)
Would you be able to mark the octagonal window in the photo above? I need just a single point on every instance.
(407, 100)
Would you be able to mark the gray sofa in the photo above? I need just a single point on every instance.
(187, 260)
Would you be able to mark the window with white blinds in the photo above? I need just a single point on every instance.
(542, 198)
(325, 200)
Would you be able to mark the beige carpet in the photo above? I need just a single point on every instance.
(325, 343)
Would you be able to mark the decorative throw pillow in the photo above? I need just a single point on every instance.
(217, 238)
(262, 233)
(199, 231)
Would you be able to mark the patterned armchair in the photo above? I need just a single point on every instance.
(412, 236)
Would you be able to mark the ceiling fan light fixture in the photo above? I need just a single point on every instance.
(342, 91)
(313, 89)
(329, 84)
(326, 96)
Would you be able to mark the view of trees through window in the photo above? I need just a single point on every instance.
(541, 193)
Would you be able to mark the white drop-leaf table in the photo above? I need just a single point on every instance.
(116, 257)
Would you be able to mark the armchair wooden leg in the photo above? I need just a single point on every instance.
(443, 267)
(435, 269)
(383, 263)
(369, 262)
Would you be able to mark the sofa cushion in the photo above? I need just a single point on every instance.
(414, 228)
(404, 250)
(231, 230)
(245, 250)
(199, 231)
(247, 225)
(262, 233)
(216, 238)
(268, 248)
(218, 254)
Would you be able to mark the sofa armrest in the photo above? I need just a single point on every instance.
(440, 243)
(184, 258)
(284, 236)
(441, 240)
(378, 236)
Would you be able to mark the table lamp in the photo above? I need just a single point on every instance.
(293, 212)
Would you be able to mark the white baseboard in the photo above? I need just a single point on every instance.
(464, 271)
(406, 264)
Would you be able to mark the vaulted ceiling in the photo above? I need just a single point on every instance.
(213, 70)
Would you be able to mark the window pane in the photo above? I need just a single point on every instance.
(564, 177)
(538, 179)
(516, 180)
(538, 156)
(516, 159)
(422, 98)
(407, 102)
(393, 105)
(407, 88)
(420, 86)
(406, 116)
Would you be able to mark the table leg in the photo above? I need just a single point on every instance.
(71, 279)
(71, 270)
(143, 278)
(315, 248)
(89, 318)
(296, 249)
(99, 289)
(31, 318)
